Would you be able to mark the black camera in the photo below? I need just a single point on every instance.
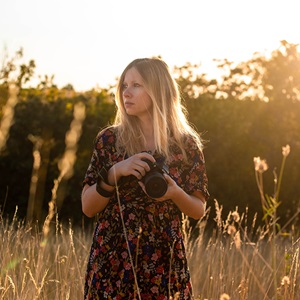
(154, 180)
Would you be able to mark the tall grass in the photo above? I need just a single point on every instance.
(47, 264)
(33, 267)
(233, 262)
(236, 260)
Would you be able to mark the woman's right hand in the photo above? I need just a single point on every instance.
(133, 165)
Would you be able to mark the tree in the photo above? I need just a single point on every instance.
(282, 77)
(236, 131)
(194, 84)
(276, 78)
(13, 70)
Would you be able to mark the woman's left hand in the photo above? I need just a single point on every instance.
(193, 205)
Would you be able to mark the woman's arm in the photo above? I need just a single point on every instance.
(92, 202)
(191, 205)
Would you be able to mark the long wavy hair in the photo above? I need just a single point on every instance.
(170, 125)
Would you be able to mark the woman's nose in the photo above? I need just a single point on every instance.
(126, 92)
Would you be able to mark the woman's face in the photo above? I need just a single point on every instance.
(135, 98)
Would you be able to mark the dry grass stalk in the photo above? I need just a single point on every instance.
(8, 114)
(55, 270)
(33, 270)
(137, 290)
(37, 144)
(66, 164)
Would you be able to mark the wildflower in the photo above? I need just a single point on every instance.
(260, 164)
(285, 281)
(224, 296)
(286, 150)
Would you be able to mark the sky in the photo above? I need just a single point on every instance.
(89, 43)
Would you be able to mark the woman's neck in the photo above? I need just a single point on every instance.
(147, 129)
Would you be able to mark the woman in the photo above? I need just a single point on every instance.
(138, 250)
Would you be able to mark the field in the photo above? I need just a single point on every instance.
(236, 258)
(235, 261)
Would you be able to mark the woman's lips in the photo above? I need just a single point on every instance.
(128, 104)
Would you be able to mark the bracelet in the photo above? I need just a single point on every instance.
(102, 192)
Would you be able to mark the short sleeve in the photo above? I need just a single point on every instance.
(101, 156)
(195, 176)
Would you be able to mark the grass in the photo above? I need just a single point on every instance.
(234, 262)
(39, 267)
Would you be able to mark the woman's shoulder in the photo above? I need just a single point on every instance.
(106, 135)
(187, 149)
(108, 131)
(192, 142)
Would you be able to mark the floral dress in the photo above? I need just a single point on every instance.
(145, 258)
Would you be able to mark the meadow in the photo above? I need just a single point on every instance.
(231, 256)
(234, 261)
(234, 258)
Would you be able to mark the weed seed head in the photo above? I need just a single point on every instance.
(260, 165)
(236, 216)
(231, 230)
(224, 297)
(286, 150)
(285, 281)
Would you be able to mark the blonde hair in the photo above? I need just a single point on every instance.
(170, 124)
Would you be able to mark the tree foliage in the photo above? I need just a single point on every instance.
(274, 78)
(235, 131)
(13, 69)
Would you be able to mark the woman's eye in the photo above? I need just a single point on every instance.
(125, 85)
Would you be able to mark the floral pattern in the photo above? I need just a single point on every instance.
(155, 248)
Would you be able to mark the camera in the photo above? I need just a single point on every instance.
(154, 180)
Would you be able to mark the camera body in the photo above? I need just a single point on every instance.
(154, 180)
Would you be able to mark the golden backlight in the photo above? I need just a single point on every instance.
(89, 43)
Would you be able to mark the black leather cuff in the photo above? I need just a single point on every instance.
(102, 192)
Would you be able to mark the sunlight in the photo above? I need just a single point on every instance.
(110, 34)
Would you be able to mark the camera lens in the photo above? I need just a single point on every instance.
(155, 184)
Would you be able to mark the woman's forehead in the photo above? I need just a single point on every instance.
(132, 74)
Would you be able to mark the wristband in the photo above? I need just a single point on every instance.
(102, 192)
